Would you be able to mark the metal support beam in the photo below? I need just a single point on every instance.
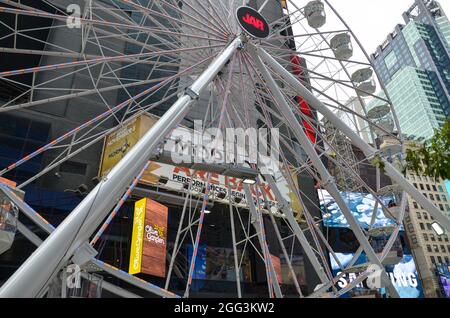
(284, 206)
(48, 228)
(368, 150)
(327, 180)
(258, 224)
(33, 238)
(76, 229)
(233, 237)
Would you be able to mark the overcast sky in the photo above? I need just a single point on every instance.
(373, 20)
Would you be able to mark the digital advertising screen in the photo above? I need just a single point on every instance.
(361, 205)
(443, 271)
(404, 275)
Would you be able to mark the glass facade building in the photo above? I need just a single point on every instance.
(414, 65)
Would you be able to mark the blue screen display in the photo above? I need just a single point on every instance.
(199, 273)
(403, 275)
(361, 205)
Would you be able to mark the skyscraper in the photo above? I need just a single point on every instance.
(417, 55)
(414, 66)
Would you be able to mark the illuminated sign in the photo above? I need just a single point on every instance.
(403, 275)
(149, 240)
(253, 22)
(121, 141)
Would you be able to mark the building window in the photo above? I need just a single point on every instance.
(432, 260)
(434, 188)
(425, 215)
(422, 227)
(391, 60)
(425, 237)
(429, 248)
(429, 226)
(432, 238)
(416, 206)
(436, 248)
(439, 260)
(421, 186)
(428, 187)
(419, 216)
(431, 197)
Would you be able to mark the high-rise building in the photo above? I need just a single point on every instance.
(414, 66)
(428, 247)
(417, 54)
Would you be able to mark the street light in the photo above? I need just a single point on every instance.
(249, 181)
(437, 229)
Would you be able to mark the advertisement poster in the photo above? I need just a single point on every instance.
(149, 240)
(121, 141)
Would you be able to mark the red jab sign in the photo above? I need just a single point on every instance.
(253, 22)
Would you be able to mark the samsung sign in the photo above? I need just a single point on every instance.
(398, 280)
(403, 275)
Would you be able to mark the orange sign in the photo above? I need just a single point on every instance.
(149, 245)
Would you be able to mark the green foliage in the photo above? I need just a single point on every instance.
(378, 162)
(433, 159)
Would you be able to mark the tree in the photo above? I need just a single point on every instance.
(432, 158)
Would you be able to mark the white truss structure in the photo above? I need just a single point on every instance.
(197, 59)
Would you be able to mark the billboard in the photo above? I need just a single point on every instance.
(149, 238)
(120, 142)
(403, 275)
(361, 205)
(175, 178)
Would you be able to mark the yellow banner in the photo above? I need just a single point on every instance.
(138, 236)
(119, 143)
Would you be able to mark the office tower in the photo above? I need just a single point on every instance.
(414, 66)
(429, 248)
(417, 55)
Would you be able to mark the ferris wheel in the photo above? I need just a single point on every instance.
(293, 65)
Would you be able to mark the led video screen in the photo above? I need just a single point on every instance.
(403, 275)
(443, 271)
(361, 205)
